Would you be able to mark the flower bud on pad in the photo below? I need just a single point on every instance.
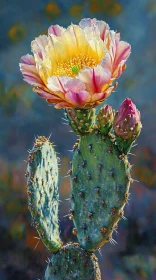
(81, 120)
(127, 125)
(105, 119)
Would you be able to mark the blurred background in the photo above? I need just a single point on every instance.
(23, 115)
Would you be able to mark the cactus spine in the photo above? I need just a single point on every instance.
(100, 179)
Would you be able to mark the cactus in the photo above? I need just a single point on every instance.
(100, 179)
(77, 72)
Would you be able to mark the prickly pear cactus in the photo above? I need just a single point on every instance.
(72, 262)
(100, 179)
(42, 190)
(100, 189)
(77, 72)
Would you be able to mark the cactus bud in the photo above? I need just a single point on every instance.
(81, 120)
(105, 119)
(127, 124)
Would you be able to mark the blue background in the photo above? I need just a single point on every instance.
(23, 115)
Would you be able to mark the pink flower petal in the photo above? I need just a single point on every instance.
(94, 78)
(28, 59)
(123, 51)
(56, 30)
(38, 45)
(78, 99)
(103, 95)
(29, 71)
(63, 104)
(106, 62)
(86, 22)
(74, 85)
(100, 25)
(58, 83)
(98, 96)
(41, 91)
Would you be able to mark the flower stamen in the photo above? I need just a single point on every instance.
(73, 65)
(75, 69)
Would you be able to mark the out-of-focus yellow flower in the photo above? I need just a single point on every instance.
(76, 67)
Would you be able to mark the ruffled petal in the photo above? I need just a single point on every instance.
(78, 99)
(29, 71)
(38, 45)
(99, 25)
(103, 95)
(28, 59)
(123, 51)
(42, 91)
(56, 30)
(74, 85)
(106, 63)
(99, 96)
(57, 84)
(95, 78)
(61, 105)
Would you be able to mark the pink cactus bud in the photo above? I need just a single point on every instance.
(127, 124)
(105, 119)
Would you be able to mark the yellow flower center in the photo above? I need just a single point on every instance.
(72, 66)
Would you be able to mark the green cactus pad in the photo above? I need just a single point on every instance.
(100, 178)
(72, 262)
(42, 190)
(81, 120)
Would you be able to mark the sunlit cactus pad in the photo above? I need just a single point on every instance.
(42, 190)
(100, 189)
(72, 262)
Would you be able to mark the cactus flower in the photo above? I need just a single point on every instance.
(127, 124)
(77, 66)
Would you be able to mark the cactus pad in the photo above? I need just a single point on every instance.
(100, 189)
(72, 262)
(42, 190)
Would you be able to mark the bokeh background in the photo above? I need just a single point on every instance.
(23, 115)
